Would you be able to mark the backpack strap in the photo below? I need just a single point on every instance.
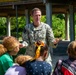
(57, 69)
(70, 66)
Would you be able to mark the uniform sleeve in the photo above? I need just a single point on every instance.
(25, 36)
(50, 36)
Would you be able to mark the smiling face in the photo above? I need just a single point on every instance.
(36, 16)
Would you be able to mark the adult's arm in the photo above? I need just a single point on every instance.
(50, 37)
(25, 36)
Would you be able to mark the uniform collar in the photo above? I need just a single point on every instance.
(37, 28)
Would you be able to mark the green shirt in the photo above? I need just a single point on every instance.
(6, 61)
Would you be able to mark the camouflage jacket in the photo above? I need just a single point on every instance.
(32, 34)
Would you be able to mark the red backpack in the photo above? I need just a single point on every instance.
(64, 67)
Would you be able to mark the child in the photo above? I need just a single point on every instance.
(8, 48)
(68, 66)
(38, 65)
(17, 69)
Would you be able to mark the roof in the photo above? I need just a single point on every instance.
(8, 7)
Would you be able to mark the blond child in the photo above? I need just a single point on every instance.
(8, 48)
(17, 69)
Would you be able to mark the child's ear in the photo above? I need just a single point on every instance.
(45, 53)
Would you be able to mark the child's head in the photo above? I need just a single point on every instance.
(21, 59)
(2, 49)
(41, 49)
(11, 44)
(72, 49)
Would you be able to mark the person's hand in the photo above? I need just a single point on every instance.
(56, 41)
(21, 45)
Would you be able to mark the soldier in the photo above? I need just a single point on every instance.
(38, 30)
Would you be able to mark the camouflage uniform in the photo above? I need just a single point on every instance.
(32, 34)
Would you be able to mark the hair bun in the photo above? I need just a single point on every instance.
(38, 42)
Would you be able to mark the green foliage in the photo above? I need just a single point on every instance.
(43, 19)
(21, 24)
(58, 26)
(2, 26)
(61, 16)
(75, 25)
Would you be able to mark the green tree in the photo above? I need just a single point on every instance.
(2, 26)
(58, 26)
(21, 24)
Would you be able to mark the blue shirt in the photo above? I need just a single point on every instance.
(38, 68)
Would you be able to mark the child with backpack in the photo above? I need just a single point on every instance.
(68, 66)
